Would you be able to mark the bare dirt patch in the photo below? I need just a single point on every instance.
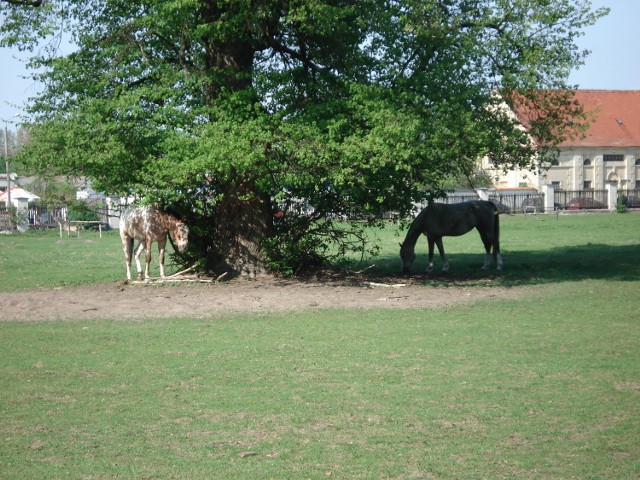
(143, 301)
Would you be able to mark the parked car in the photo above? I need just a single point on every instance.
(579, 203)
(538, 203)
(535, 202)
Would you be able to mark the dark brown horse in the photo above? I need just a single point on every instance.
(148, 225)
(440, 220)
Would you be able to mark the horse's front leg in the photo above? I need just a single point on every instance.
(161, 249)
(138, 266)
(443, 257)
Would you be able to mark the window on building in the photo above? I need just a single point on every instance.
(587, 185)
(637, 161)
(587, 161)
(613, 158)
(556, 185)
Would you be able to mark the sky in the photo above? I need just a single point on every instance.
(614, 63)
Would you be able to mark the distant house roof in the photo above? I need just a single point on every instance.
(615, 120)
(18, 192)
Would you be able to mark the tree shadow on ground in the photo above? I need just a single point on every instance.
(562, 264)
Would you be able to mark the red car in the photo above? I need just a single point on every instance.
(580, 203)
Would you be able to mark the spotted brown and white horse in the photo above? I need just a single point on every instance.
(147, 225)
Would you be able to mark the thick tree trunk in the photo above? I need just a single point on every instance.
(244, 216)
(244, 219)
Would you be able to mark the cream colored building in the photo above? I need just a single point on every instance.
(608, 154)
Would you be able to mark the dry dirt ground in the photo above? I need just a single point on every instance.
(118, 300)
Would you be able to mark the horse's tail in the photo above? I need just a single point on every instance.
(496, 232)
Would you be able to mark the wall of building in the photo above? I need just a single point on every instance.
(577, 169)
(518, 178)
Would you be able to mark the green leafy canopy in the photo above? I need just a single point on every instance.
(317, 109)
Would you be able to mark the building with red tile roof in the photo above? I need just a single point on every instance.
(607, 153)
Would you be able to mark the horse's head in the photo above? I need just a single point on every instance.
(180, 234)
(408, 256)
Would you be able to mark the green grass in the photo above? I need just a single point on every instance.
(537, 388)
(536, 250)
(42, 259)
(542, 387)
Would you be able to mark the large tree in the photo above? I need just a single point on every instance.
(263, 121)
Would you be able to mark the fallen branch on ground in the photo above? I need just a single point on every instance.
(386, 285)
(365, 269)
(183, 271)
(184, 279)
(173, 280)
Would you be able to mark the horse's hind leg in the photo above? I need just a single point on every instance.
(487, 251)
(489, 242)
(147, 262)
(443, 256)
(496, 254)
(431, 244)
(127, 246)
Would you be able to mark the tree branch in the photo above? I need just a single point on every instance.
(281, 48)
(25, 3)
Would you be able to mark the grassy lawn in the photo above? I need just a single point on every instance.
(545, 387)
(43, 259)
(536, 250)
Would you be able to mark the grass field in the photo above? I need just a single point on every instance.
(537, 250)
(545, 387)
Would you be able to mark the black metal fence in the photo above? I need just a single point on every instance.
(49, 215)
(629, 198)
(456, 197)
(52, 215)
(518, 202)
(580, 199)
(45, 216)
(5, 219)
(511, 202)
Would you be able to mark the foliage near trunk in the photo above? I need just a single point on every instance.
(262, 122)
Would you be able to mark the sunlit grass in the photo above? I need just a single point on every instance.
(544, 387)
(45, 260)
(536, 249)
